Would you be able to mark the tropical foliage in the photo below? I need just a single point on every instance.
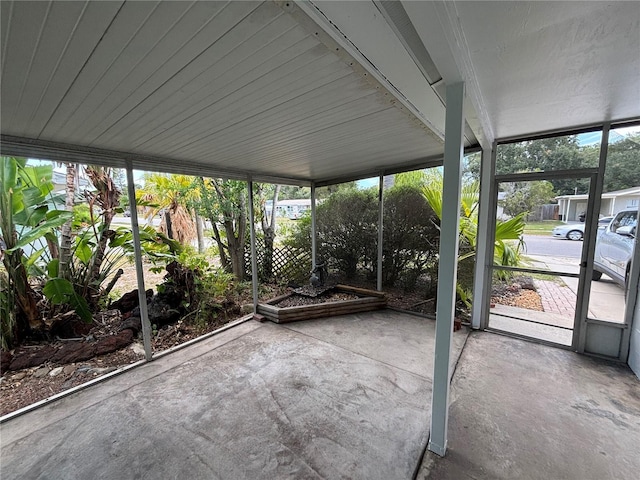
(30, 227)
(508, 235)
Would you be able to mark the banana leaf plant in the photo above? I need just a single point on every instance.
(27, 226)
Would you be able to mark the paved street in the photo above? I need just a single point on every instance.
(547, 245)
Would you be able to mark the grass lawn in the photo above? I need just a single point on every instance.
(541, 228)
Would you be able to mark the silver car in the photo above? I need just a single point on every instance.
(575, 231)
(614, 247)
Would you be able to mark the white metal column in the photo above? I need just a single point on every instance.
(313, 226)
(484, 247)
(447, 267)
(254, 262)
(142, 295)
(380, 229)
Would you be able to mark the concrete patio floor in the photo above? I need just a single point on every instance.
(336, 398)
(343, 397)
(521, 410)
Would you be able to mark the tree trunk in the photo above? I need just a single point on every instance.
(65, 238)
(269, 231)
(28, 318)
(236, 232)
(222, 248)
(107, 197)
(199, 232)
(167, 222)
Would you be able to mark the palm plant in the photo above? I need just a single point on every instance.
(508, 237)
(171, 195)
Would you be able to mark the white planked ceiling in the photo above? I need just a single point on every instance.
(315, 91)
(238, 86)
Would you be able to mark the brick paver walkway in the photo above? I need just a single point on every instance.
(556, 298)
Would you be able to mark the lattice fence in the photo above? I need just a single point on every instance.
(289, 264)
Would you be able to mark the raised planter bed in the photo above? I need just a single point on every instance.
(367, 300)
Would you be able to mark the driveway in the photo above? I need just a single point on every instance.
(607, 300)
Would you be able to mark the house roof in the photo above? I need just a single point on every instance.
(614, 194)
(296, 92)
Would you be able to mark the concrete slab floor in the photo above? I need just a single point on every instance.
(345, 397)
(520, 410)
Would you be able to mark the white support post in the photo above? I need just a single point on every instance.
(254, 261)
(380, 229)
(447, 267)
(142, 296)
(484, 252)
(313, 227)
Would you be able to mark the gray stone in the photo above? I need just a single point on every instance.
(69, 369)
(56, 371)
(41, 372)
(19, 375)
(101, 371)
(137, 348)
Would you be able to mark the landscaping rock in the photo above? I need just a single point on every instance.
(20, 375)
(55, 372)
(41, 372)
(132, 323)
(74, 352)
(138, 348)
(27, 358)
(69, 325)
(69, 369)
(114, 342)
(101, 371)
(129, 300)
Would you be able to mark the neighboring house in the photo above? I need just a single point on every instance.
(289, 208)
(571, 206)
(500, 215)
(59, 180)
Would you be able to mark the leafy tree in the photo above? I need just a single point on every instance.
(347, 230)
(326, 192)
(268, 223)
(410, 235)
(525, 197)
(623, 164)
(224, 203)
(557, 153)
(291, 192)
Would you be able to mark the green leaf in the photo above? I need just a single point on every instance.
(31, 217)
(60, 291)
(53, 221)
(32, 196)
(83, 251)
(8, 174)
(53, 267)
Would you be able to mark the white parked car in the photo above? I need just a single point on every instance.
(614, 247)
(575, 231)
(572, 231)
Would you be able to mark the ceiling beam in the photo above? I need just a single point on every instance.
(437, 25)
(63, 152)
